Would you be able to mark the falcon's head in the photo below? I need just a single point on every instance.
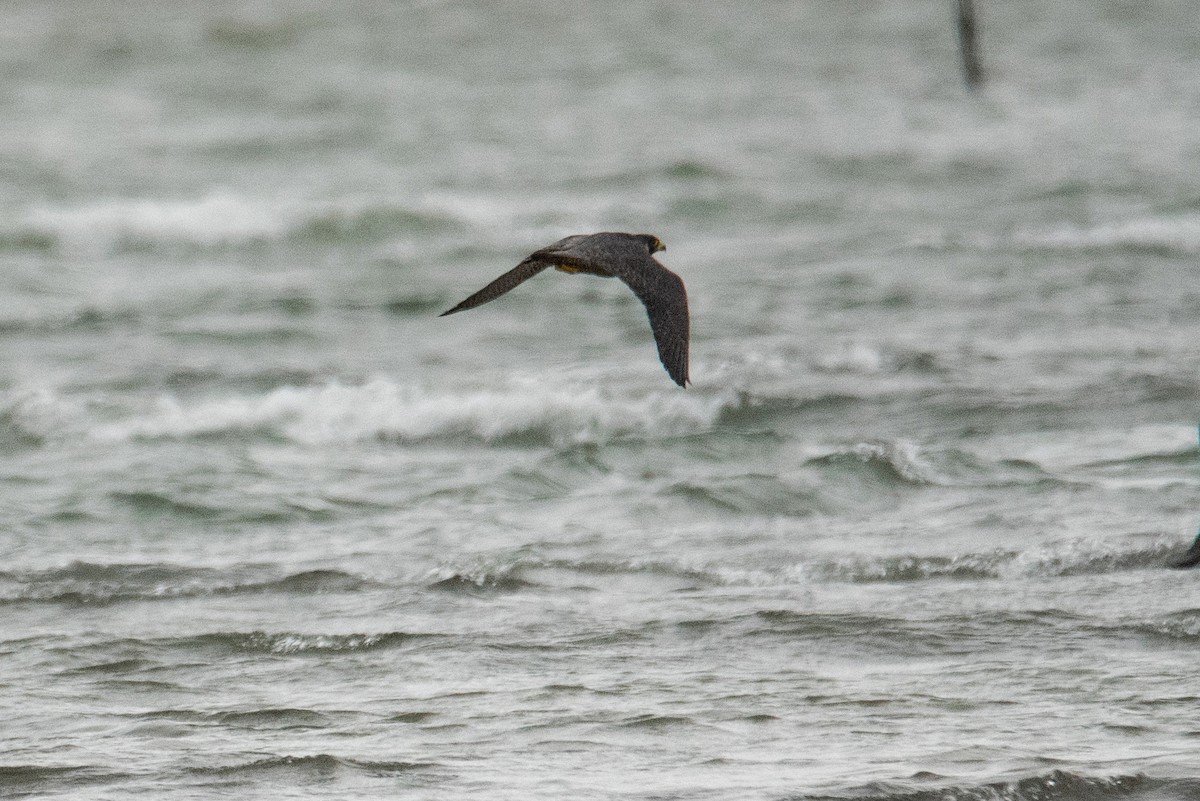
(653, 243)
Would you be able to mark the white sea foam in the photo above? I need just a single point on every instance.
(1179, 233)
(218, 218)
(853, 357)
(37, 414)
(386, 410)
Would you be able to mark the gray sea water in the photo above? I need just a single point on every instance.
(270, 528)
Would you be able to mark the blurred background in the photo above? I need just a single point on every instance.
(269, 526)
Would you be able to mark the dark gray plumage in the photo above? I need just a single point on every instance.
(625, 256)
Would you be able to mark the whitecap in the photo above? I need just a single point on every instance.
(519, 409)
(217, 218)
(34, 415)
(1179, 233)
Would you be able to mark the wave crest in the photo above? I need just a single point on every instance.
(294, 643)
(32, 416)
(521, 412)
(220, 219)
(86, 583)
(1057, 785)
(301, 767)
(903, 463)
(1167, 235)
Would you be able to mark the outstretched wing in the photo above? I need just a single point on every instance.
(522, 272)
(610, 254)
(665, 298)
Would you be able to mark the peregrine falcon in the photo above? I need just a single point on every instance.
(625, 256)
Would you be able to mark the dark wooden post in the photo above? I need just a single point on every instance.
(968, 44)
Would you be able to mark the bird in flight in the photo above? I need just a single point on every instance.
(629, 257)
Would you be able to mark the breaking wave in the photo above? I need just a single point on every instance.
(30, 417)
(1169, 235)
(1057, 785)
(1069, 559)
(219, 220)
(521, 412)
(900, 463)
(295, 643)
(301, 767)
(86, 583)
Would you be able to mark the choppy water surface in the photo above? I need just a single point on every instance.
(269, 528)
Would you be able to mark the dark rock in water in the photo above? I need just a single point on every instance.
(1191, 558)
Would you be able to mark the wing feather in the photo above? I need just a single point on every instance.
(663, 294)
(661, 291)
(511, 279)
